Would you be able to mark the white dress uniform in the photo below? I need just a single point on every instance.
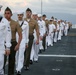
(51, 34)
(58, 28)
(35, 49)
(47, 39)
(62, 28)
(55, 34)
(5, 36)
(25, 40)
(66, 29)
(42, 30)
(59, 34)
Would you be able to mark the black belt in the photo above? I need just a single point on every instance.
(13, 40)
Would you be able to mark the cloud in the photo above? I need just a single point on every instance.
(59, 6)
(15, 5)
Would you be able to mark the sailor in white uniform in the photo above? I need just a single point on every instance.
(66, 27)
(59, 34)
(42, 30)
(62, 27)
(56, 32)
(5, 40)
(35, 47)
(24, 43)
(52, 29)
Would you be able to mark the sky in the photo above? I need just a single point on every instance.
(59, 6)
(48, 6)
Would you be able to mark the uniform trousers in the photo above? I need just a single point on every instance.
(34, 51)
(59, 35)
(20, 56)
(11, 59)
(55, 36)
(65, 32)
(44, 42)
(28, 51)
(1, 64)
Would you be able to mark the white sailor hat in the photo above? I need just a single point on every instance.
(55, 20)
(1, 6)
(46, 18)
(39, 15)
(20, 12)
(59, 20)
(34, 13)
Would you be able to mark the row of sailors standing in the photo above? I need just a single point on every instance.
(50, 31)
(27, 49)
(56, 30)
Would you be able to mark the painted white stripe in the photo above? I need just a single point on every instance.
(47, 55)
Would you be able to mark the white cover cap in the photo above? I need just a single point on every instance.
(39, 15)
(34, 13)
(20, 12)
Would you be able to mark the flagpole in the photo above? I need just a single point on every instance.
(41, 6)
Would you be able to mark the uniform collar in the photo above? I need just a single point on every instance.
(27, 19)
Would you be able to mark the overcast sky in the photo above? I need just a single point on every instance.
(59, 6)
(61, 9)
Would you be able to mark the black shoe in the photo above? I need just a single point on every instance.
(31, 62)
(26, 68)
(18, 73)
(40, 51)
(36, 61)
